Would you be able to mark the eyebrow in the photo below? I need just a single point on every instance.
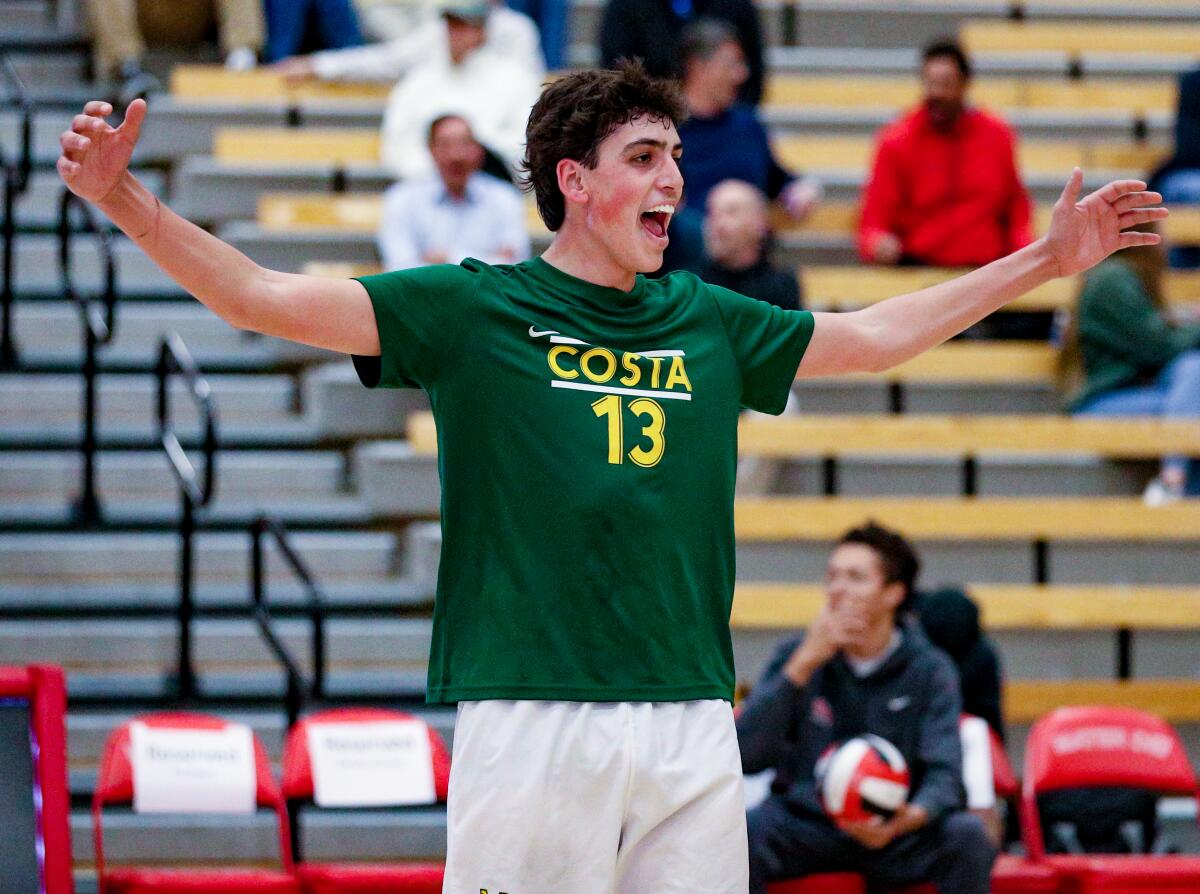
(657, 144)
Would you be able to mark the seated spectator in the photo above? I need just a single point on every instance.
(120, 29)
(737, 233)
(471, 80)
(650, 30)
(944, 189)
(950, 619)
(292, 25)
(458, 213)
(1122, 356)
(508, 33)
(859, 670)
(1179, 179)
(723, 139)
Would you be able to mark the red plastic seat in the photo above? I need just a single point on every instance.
(360, 878)
(1098, 747)
(370, 878)
(114, 786)
(821, 883)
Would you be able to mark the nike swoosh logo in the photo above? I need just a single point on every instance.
(533, 333)
(899, 704)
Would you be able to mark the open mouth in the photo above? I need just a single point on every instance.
(657, 219)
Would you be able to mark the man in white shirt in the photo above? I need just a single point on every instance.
(508, 33)
(472, 80)
(459, 213)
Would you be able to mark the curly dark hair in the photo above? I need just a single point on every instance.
(573, 116)
(896, 555)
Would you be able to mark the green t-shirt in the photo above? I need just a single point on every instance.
(587, 444)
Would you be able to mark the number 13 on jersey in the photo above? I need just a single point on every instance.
(641, 408)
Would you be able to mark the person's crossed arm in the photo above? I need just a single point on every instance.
(1082, 234)
(324, 312)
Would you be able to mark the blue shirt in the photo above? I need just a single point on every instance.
(731, 145)
(423, 224)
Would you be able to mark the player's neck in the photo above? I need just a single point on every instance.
(574, 253)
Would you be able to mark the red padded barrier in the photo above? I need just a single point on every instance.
(208, 881)
(371, 878)
(45, 689)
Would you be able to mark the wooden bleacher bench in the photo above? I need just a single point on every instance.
(284, 212)
(1004, 94)
(968, 435)
(786, 606)
(1076, 38)
(852, 287)
(261, 86)
(284, 147)
(1175, 700)
(1021, 519)
(819, 436)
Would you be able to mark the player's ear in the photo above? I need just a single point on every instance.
(571, 181)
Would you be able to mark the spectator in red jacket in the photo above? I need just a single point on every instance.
(944, 190)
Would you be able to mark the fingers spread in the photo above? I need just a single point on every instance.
(1133, 200)
(1129, 240)
(1110, 192)
(1141, 216)
(134, 115)
(1070, 193)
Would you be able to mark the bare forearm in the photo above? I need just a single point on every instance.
(907, 325)
(216, 273)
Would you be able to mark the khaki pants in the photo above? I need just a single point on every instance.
(121, 27)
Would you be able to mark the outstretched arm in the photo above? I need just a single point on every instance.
(324, 312)
(1081, 235)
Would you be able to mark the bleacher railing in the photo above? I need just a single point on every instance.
(97, 317)
(195, 491)
(298, 691)
(16, 181)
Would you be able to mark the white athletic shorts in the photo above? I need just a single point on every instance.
(596, 798)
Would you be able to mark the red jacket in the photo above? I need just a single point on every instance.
(953, 198)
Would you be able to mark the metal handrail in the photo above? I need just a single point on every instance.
(15, 181)
(97, 316)
(298, 692)
(175, 359)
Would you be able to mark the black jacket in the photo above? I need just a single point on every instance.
(912, 701)
(649, 30)
(762, 281)
(1187, 130)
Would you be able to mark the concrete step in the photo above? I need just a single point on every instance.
(338, 406)
(49, 332)
(37, 267)
(115, 559)
(53, 402)
(38, 207)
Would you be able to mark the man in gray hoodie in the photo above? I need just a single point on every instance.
(860, 669)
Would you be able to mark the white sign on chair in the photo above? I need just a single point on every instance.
(375, 764)
(192, 770)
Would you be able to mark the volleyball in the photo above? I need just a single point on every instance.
(861, 778)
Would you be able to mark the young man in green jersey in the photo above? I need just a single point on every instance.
(587, 434)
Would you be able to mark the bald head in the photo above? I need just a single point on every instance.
(736, 224)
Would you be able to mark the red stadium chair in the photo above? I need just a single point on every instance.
(822, 883)
(360, 878)
(1119, 747)
(114, 786)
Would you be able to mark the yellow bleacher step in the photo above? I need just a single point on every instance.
(287, 146)
(784, 606)
(262, 86)
(293, 212)
(1002, 94)
(1175, 700)
(1093, 519)
(1076, 37)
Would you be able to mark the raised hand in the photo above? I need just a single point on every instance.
(1085, 232)
(95, 155)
